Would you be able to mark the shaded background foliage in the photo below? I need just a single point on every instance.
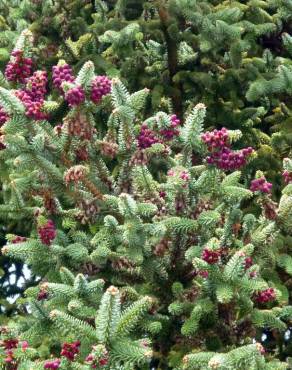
(229, 56)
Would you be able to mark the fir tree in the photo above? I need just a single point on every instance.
(141, 236)
(234, 57)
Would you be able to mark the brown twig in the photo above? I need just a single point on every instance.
(92, 188)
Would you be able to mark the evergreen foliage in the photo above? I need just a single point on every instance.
(234, 57)
(143, 232)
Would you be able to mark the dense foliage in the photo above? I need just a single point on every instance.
(147, 183)
(148, 213)
(232, 56)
